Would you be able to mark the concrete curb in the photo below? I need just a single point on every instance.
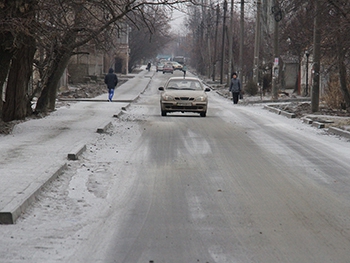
(321, 125)
(10, 213)
(339, 131)
(280, 112)
(121, 112)
(93, 100)
(272, 109)
(262, 101)
(74, 154)
(318, 125)
(13, 210)
(288, 114)
(103, 128)
(117, 115)
(307, 120)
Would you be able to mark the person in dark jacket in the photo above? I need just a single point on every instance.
(184, 69)
(111, 80)
(235, 88)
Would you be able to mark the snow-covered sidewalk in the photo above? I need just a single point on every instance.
(37, 150)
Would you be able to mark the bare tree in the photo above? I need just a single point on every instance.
(59, 29)
(338, 17)
(333, 39)
(148, 39)
(16, 53)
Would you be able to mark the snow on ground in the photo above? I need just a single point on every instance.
(65, 211)
(68, 210)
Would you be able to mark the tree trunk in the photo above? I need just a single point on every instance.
(315, 95)
(47, 99)
(5, 59)
(16, 99)
(16, 56)
(342, 75)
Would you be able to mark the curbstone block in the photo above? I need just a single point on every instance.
(307, 120)
(339, 131)
(288, 114)
(318, 125)
(272, 109)
(74, 154)
(12, 211)
(103, 128)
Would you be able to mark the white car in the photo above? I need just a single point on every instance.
(159, 67)
(184, 95)
(176, 65)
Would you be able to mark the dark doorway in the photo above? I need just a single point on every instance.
(118, 65)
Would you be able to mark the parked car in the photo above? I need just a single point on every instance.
(159, 67)
(168, 68)
(184, 95)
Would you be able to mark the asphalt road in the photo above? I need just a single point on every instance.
(241, 185)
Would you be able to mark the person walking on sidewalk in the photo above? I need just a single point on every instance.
(235, 88)
(111, 80)
(149, 66)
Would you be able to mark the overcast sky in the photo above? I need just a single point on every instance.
(177, 21)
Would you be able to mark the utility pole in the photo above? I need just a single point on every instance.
(241, 38)
(315, 95)
(206, 37)
(275, 74)
(216, 39)
(223, 44)
(306, 92)
(230, 35)
(209, 50)
(257, 43)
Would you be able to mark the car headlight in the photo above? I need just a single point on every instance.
(167, 97)
(201, 98)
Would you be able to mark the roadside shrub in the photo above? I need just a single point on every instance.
(266, 84)
(333, 97)
(251, 88)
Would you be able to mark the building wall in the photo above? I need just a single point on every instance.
(291, 71)
(91, 63)
(78, 73)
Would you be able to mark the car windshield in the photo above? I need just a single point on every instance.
(184, 85)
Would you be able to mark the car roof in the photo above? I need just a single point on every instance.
(182, 78)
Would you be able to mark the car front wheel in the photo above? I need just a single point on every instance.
(163, 113)
(203, 114)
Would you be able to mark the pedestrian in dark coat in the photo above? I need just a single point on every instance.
(235, 88)
(184, 69)
(111, 80)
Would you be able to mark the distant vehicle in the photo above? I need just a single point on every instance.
(168, 68)
(159, 67)
(163, 60)
(184, 95)
(179, 59)
(176, 65)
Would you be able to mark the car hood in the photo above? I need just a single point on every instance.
(185, 93)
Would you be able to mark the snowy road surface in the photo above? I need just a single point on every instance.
(241, 185)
